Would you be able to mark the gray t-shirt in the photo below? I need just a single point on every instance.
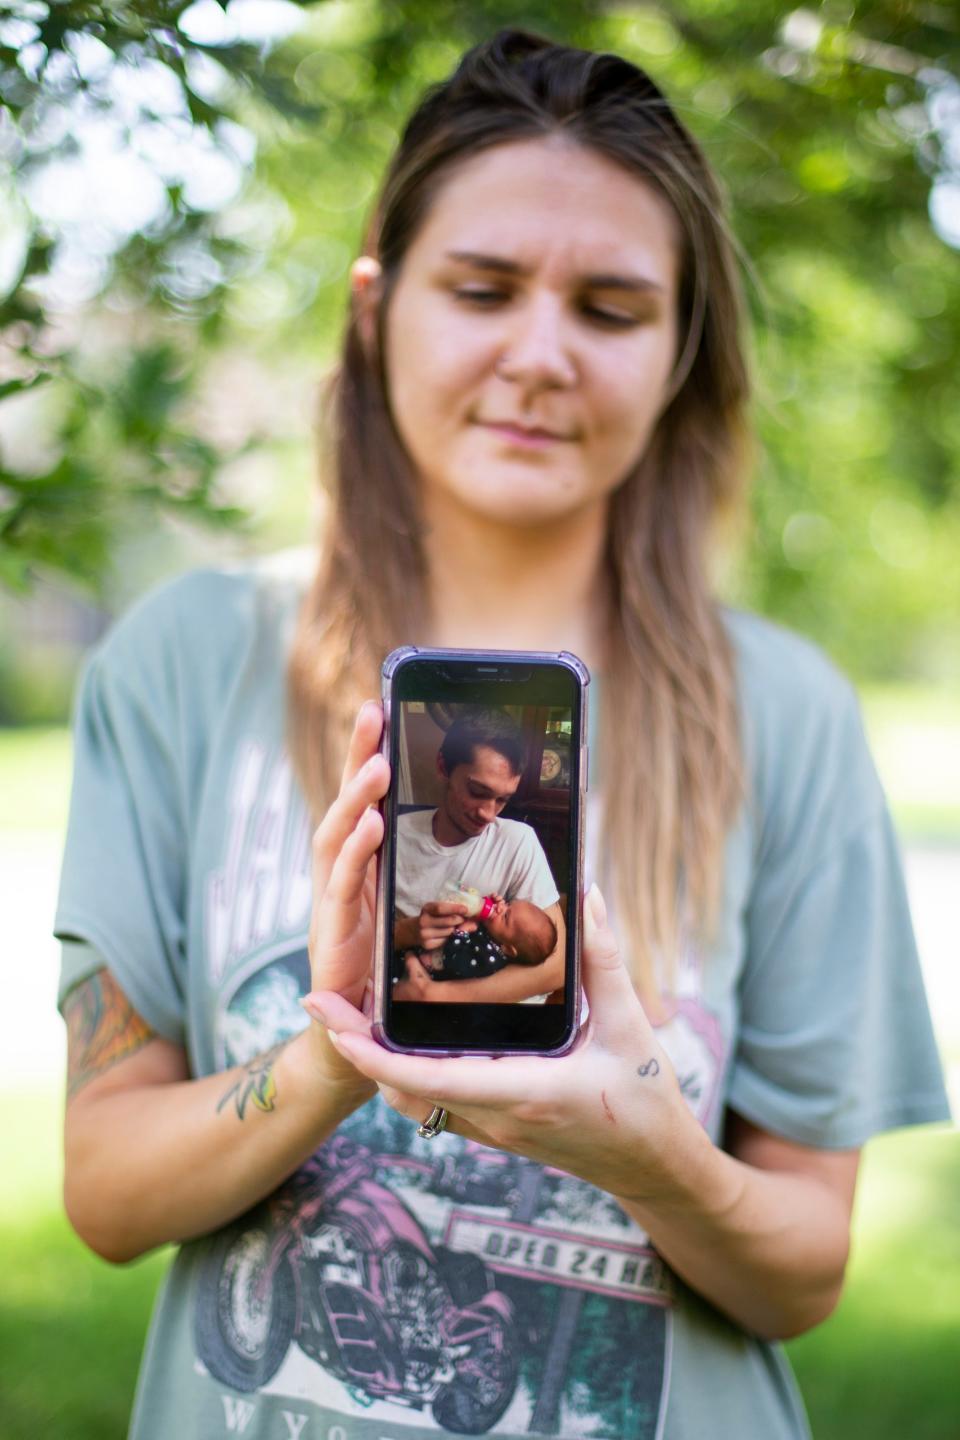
(395, 1287)
(506, 858)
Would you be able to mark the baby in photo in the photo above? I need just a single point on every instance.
(514, 932)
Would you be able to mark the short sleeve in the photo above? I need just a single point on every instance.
(835, 1041)
(78, 961)
(123, 888)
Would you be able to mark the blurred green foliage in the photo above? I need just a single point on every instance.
(250, 162)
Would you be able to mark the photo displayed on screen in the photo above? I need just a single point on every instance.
(482, 852)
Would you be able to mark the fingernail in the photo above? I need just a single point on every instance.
(313, 1009)
(598, 908)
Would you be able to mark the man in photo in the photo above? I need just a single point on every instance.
(466, 842)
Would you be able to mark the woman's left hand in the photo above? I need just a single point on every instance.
(610, 1111)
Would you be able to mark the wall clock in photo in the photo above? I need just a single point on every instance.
(555, 763)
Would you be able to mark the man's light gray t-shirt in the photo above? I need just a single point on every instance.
(506, 859)
(396, 1288)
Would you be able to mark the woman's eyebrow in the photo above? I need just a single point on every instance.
(502, 266)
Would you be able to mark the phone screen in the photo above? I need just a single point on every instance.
(481, 866)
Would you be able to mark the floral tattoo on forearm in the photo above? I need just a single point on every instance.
(257, 1085)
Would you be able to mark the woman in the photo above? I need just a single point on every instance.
(539, 412)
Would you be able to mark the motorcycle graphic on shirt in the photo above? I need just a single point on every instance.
(438, 1285)
(337, 1263)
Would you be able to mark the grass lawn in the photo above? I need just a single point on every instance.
(71, 1327)
(883, 1367)
(915, 736)
(34, 778)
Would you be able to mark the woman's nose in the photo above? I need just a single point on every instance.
(536, 351)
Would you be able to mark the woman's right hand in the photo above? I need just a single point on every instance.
(342, 924)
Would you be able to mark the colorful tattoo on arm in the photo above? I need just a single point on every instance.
(102, 1029)
(257, 1085)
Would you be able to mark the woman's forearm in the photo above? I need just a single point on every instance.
(151, 1163)
(768, 1248)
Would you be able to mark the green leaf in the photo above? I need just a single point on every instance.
(19, 387)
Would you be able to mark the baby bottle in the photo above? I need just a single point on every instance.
(478, 906)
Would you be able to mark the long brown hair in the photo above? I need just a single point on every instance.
(668, 733)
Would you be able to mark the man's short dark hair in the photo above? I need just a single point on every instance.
(494, 728)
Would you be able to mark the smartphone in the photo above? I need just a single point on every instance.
(481, 869)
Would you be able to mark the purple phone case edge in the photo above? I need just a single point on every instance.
(388, 670)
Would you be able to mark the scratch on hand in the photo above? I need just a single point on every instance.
(606, 1108)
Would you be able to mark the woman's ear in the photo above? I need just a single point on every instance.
(366, 290)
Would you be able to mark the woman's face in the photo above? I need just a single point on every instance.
(539, 296)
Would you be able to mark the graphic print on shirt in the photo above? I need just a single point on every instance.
(396, 1288)
(411, 1287)
(263, 885)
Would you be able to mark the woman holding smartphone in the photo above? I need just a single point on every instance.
(540, 411)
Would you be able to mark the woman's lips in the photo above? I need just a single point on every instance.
(525, 439)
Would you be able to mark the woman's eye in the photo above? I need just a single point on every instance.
(609, 317)
(597, 313)
(481, 296)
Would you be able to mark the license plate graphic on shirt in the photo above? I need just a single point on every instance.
(627, 1272)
